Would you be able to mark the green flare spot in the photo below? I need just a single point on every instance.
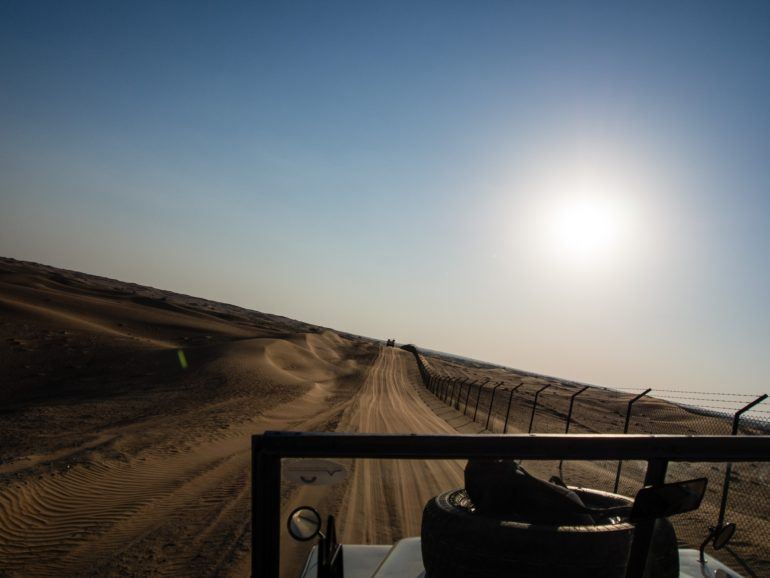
(182, 359)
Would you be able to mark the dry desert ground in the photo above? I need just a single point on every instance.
(127, 413)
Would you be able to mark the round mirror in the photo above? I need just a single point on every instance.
(304, 523)
(723, 536)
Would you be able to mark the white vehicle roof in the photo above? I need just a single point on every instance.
(404, 560)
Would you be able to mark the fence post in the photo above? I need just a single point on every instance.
(453, 382)
(457, 393)
(421, 367)
(508, 412)
(729, 469)
(478, 398)
(569, 420)
(491, 403)
(467, 395)
(460, 384)
(625, 431)
(534, 406)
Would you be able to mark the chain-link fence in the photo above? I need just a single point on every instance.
(519, 402)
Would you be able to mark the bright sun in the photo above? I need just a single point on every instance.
(586, 229)
(586, 212)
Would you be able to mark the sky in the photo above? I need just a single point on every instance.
(576, 189)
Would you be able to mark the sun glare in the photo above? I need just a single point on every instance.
(587, 214)
(586, 229)
(587, 210)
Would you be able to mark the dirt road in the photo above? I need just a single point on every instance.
(384, 499)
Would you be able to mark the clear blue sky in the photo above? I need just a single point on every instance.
(418, 170)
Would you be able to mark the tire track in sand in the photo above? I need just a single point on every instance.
(161, 513)
(184, 514)
(385, 498)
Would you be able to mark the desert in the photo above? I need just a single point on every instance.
(533, 234)
(127, 415)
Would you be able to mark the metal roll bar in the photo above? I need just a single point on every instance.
(657, 450)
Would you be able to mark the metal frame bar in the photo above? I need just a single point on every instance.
(678, 448)
(642, 540)
(268, 449)
(265, 510)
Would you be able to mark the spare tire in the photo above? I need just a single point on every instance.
(457, 542)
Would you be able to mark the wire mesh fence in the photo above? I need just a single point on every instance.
(522, 403)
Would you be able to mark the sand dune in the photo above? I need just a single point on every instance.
(116, 459)
(164, 509)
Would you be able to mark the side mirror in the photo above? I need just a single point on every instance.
(719, 536)
(723, 535)
(304, 524)
(668, 499)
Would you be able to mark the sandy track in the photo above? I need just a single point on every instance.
(384, 499)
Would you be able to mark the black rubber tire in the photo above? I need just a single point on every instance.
(459, 543)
